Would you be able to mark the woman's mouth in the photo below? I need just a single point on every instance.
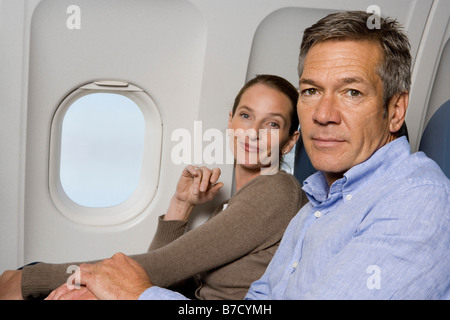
(249, 147)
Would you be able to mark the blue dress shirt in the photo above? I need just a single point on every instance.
(380, 232)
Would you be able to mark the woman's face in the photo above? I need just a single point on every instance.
(259, 128)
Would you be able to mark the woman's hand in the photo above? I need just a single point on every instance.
(196, 185)
(64, 292)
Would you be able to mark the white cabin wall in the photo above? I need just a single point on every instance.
(143, 44)
(439, 92)
(15, 17)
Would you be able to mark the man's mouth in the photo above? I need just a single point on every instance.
(326, 142)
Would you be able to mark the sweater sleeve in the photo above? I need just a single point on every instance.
(254, 217)
(40, 279)
(166, 232)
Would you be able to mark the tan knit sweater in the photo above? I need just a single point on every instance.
(226, 253)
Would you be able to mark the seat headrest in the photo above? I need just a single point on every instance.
(435, 142)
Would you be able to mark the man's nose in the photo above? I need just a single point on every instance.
(327, 110)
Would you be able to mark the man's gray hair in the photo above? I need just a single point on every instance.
(395, 69)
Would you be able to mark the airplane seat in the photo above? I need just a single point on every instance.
(435, 142)
(302, 165)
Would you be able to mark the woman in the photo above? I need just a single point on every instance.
(233, 248)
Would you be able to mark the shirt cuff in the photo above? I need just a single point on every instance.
(158, 293)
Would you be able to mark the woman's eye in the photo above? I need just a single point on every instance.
(274, 125)
(245, 115)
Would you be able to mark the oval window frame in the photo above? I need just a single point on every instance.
(151, 159)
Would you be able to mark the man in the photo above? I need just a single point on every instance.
(378, 222)
(377, 226)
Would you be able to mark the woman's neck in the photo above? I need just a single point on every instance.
(243, 175)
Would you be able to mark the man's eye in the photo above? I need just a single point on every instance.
(353, 93)
(309, 92)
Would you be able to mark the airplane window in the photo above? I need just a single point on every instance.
(105, 153)
(102, 142)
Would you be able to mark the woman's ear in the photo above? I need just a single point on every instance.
(230, 116)
(290, 143)
(397, 111)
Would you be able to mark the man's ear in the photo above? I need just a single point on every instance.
(397, 111)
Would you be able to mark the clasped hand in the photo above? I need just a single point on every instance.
(117, 278)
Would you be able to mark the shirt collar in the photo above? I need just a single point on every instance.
(382, 161)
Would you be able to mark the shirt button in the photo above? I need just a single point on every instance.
(317, 214)
(294, 265)
(348, 197)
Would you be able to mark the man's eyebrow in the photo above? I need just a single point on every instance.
(353, 80)
(308, 81)
(346, 80)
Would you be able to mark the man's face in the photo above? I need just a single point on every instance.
(341, 105)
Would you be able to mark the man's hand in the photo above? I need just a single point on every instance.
(117, 278)
(10, 285)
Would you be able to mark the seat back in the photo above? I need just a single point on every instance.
(302, 165)
(435, 142)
